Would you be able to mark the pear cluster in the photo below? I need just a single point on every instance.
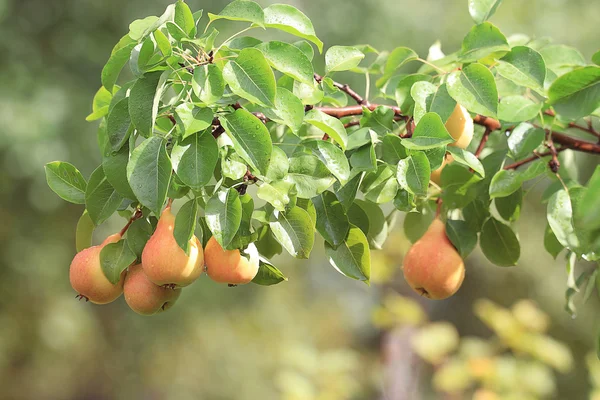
(432, 266)
(460, 126)
(155, 284)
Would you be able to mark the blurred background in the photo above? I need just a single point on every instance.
(318, 336)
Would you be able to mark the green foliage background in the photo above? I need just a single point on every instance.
(309, 335)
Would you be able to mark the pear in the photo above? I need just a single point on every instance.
(432, 266)
(460, 126)
(436, 175)
(87, 278)
(164, 262)
(228, 266)
(143, 296)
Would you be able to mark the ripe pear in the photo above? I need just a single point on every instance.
(436, 175)
(228, 266)
(460, 126)
(432, 266)
(143, 296)
(164, 262)
(87, 278)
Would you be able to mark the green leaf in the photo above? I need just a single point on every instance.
(309, 94)
(524, 139)
(294, 230)
(342, 58)
(474, 88)
(576, 94)
(596, 58)
(378, 226)
(251, 139)
(195, 158)
(403, 90)
(381, 120)
(185, 224)
(476, 213)
(163, 43)
(279, 165)
(208, 83)
(334, 159)
(509, 207)
(114, 259)
(140, 56)
(118, 124)
(518, 109)
(561, 59)
(114, 165)
(306, 48)
(551, 244)
(589, 211)
(268, 275)
(416, 224)
(523, 66)
(364, 159)
(352, 258)
(482, 10)
(404, 201)
(499, 243)
(241, 10)
(278, 194)
(100, 104)
(193, 119)
(266, 244)
(413, 174)
(483, 40)
(184, 18)
(138, 235)
(250, 76)
(66, 181)
(332, 221)
(347, 193)
(462, 237)
(309, 174)
(84, 232)
(149, 173)
(288, 59)
(328, 124)
(291, 20)
(393, 149)
(308, 206)
(560, 219)
(176, 32)
(101, 199)
(429, 98)
(397, 58)
(224, 215)
(380, 186)
(115, 64)
(289, 109)
(506, 182)
(361, 137)
(141, 102)
(429, 133)
(467, 158)
(141, 28)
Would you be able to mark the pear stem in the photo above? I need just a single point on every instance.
(137, 215)
(169, 203)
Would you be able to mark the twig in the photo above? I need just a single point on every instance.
(346, 89)
(137, 215)
(534, 157)
(484, 139)
(553, 164)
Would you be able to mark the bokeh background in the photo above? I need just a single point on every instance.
(310, 338)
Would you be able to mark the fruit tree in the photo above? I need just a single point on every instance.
(259, 149)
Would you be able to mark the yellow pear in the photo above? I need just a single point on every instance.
(143, 296)
(436, 175)
(432, 266)
(87, 278)
(228, 266)
(460, 126)
(164, 262)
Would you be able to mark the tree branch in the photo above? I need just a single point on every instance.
(484, 139)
